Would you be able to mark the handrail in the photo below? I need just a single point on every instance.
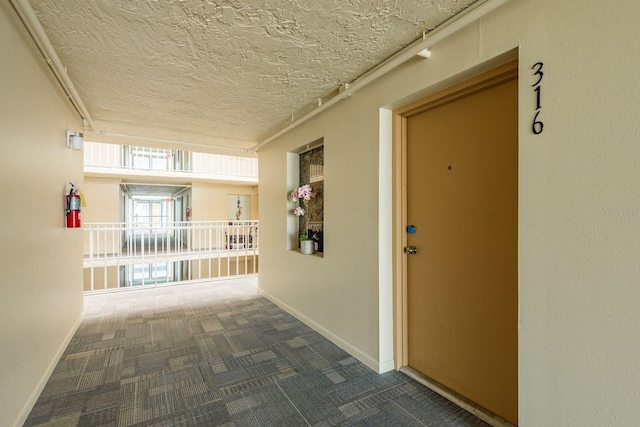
(122, 254)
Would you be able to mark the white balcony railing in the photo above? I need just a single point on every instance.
(119, 255)
(112, 157)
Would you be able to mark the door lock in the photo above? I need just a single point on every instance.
(411, 250)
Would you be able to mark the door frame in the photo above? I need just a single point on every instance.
(485, 80)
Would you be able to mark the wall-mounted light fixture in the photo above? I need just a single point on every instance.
(75, 140)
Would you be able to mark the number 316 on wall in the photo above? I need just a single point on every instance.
(537, 124)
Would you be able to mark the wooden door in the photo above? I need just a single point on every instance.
(462, 283)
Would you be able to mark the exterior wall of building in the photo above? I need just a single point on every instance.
(578, 206)
(40, 260)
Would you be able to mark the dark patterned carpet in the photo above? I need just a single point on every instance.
(218, 354)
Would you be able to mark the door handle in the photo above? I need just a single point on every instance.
(411, 250)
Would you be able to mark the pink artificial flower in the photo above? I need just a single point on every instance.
(298, 211)
(303, 192)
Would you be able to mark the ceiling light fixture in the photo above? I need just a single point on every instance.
(425, 53)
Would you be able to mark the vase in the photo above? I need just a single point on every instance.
(306, 247)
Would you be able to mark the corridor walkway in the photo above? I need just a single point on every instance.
(219, 354)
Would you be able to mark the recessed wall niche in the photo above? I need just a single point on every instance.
(312, 173)
(306, 166)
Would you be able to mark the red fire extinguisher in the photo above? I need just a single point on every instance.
(74, 206)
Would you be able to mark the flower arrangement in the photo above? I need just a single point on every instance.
(303, 194)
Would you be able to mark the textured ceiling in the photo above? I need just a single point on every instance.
(223, 72)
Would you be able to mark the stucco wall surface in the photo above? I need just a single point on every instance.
(578, 206)
(40, 260)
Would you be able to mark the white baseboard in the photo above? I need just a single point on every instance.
(386, 366)
(354, 351)
(35, 394)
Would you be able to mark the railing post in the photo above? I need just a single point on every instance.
(155, 257)
(91, 256)
(119, 255)
(209, 251)
(105, 283)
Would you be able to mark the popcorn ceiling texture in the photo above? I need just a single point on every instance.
(223, 72)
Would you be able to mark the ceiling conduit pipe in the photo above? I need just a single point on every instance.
(452, 25)
(31, 23)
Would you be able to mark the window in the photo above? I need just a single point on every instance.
(150, 212)
(139, 274)
(149, 158)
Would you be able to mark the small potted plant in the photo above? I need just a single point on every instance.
(303, 195)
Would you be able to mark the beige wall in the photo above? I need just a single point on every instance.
(578, 203)
(40, 260)
(102, 205)
(209, 203)
(103, 201)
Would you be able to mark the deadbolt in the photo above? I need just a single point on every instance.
(411, 250)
